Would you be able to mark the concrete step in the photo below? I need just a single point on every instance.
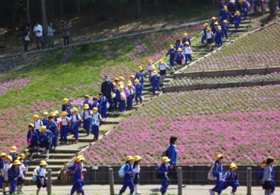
(49, 161)
(238, 30)
(54, 168)
(113, 121)
(67, 151)
(55, 156)
(30, 173)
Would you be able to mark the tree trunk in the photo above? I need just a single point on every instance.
(53, 8)
(138, 7)
(273, 9)
(28, 11)
(61, 8)
(44, 16)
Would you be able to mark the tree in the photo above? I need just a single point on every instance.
(28, 11)
(138, 2)
(44, 16)
(273, 9)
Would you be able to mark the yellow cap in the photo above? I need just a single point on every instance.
(205, 24)
(219, 27)
(10, 158)
(74, 110)
(140, 68)
(165, 159)
(43, 129)
(129, 158)
(129, 84)
(185, 34)
(21, 156)
(121, 89)
(132, 76)
(86, 96)
(56, 113)
(43, 163)
(179, 49)
(225, 21)
(45, 113)
(213, 18)
(171, 47)
(116, 79)
(187, 43)
(30, 125)
(35, 117)
(80, 158)
(155, 72)
(17, 162)
(53, 114)
(161, 61)
(237, 13)
(208, 29)
(136, 81)
(225, 8)
(219, 156)
(86, 106)
(233, 166)
(13, 149)
(121, 78)
(3, 154)
(150, 62)
(65, 101)
(216, 23)
(64, 113)
(95, 109)
(137, 158)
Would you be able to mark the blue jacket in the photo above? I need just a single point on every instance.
(237, 19)
(139, 89)
(13, 173)
(231, 178)
(95, 105)
(1, 164)
(77, 170)
(172, 53)
(128, 168)
(186, 39)
(45, 121)
(172, 154)
(88, 103)
(217, 169)
(224, 14)
(46, 136)
(155, 80)
(225, 27)
(63, 107)
(214, 29)
(103, 102)
(163, 172)
(140, 76)
(204, 31)
(53, 128)
(14, 155)
(180, 57)
(32, 136)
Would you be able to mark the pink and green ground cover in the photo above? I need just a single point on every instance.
(243, 123)
(256, 50)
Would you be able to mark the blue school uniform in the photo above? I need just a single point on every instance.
(32, 138)
(225, 28)
(45, 121)
(272, 179)
(138, 93)
(186, 39)
(75, 125)
(21, 180)
(140, 76)
(46, 139)
(172, 53)
(52, 126)
(225, 14)
(156, 83)
(177, 46)
(172, 154)
(179, 58)
(64, 129)
(96, 118)
(163, 174)
(1, 177)
(212, 24)
(115, 99)
(231, 179)
(244, 8)
(87, 102)
(103, 106)
(14, 155)
(13, 174)
(128, 179)
(203, 38)
(218, 174)
(78, 178)
(64, 107)
(219, 38)
(237, 20)
(86, 122)
(130, 98)
(95, 105)
(214, 29)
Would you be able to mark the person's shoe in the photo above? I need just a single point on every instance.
(137, 192)
(211, 192)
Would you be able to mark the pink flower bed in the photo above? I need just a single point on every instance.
(245, 138)
(13, 123)
(6, 86)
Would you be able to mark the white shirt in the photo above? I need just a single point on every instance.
(38, 28)
(5, 170)
(38, 124)
(209, 35)
(130, 91)
(188, 50)
(162, 66)
(75, 118)
(22, 169)
(65, 121)
(137, 169)
(41, 171)
(150, 67)
(87, 114)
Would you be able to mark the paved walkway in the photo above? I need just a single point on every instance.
(146, 190)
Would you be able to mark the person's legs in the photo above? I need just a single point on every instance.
(125, 185)
(131, 186)
(164, 186)
(64, 41)
(42, 42)
(37, 42)
(67, 38)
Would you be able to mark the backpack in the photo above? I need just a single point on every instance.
(121, 172)
(210, 175)
(34, 177)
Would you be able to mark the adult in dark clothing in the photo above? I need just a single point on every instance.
(26, 38)
(65, 33)
(106, 89)
(232, 10)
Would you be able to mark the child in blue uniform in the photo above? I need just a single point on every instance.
(218, 174)
(225, 14)
(32, 139)
(75, 123)
(68, 110)
(215, 28)
(128, 177)
(53, 127)
(225, 28)
(163, 174)
(156, 82)
(179, 57)
(87, 101)
(78, 178)
(103, 105)
(237, 19)
(244, 8)
(13, 153)
(138, 91)
(188, 53)
(230, 178)
(37, 123)
(45, 120)
(203, 38)
(213, 20)
(122, 100)
(131, 92)
(172, 55)
(64, 103)
(114, 97)
(40, 173)
(86, 117)
(64, 127)
(13, 175)
(96, 120)
(95, 103)
(46, 137)
(219, 36)
(2, 161)
(268, 174)
(140, 75)
(186, 39)
(22, 171)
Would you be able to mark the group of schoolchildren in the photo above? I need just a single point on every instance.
(230, 178)
(12, 171)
